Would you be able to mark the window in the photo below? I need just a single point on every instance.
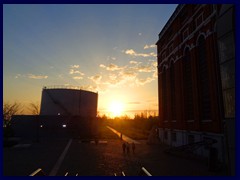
(173, 93)
(203, 81)
(188, 87)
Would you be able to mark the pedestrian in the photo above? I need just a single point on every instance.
(124, 147)
(133, 147)
(128, 148)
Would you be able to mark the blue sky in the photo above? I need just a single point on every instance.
(104, 48)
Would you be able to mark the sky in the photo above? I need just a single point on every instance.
(109, 49)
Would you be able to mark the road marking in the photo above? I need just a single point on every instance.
(59, 161)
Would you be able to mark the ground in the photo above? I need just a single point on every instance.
(103, 159)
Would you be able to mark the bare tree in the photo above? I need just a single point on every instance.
(34, 108)
(10, 109)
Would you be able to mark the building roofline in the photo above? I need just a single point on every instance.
(170, 20)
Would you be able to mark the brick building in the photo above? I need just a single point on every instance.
(191, 103)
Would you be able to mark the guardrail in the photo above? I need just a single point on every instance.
(144, 172)
(122, 174)
(38, 172)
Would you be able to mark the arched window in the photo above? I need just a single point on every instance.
(203, 81)
(164, 94)
(173, 94)
(188, 86)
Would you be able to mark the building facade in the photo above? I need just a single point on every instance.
(189, 79)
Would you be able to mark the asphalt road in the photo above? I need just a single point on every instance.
(86, 158)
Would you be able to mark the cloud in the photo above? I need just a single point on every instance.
(128, 74)
(77, 77)
(133, 53)
(32, 76)
(139, 34)
(133, 62)
(17, 76)
(111, 67)
(144, 81)
(155, 74)
(96, 78)
(143, 68)
(74, 66)
(72, 71)
(149, 46)
(111, 58)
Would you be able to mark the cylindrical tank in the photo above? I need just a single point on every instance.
(68, 102)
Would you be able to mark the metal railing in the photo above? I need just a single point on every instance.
(144, 172)
(38, 172)
(69, 87)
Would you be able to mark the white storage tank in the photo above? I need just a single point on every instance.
(68, 101)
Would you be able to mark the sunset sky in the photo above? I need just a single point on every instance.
(109, 49)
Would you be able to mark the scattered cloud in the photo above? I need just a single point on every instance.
(72, 71)
(32, 76)
(111, 58)
(133, 53)
(96, 78)
(144, 81)
(144, 68)
(155, 74)
(111, 67)
(74, 66)
(17, 76)
(128, 74)
(139, 34)
(149, 46)
(133, 62)
(77, 77)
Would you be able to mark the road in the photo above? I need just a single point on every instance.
(85, 158)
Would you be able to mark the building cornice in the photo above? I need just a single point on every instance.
(169, 22)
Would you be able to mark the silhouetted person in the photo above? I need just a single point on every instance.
(124, 147)
(133, 147)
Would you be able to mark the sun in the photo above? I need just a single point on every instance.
(115, 108)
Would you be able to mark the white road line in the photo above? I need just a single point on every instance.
(60, 159)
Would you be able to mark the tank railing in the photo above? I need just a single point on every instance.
(144, 172)
(67, 87)
(38, 172)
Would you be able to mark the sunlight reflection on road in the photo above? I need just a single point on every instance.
(125, 138)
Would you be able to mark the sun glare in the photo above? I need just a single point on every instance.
(115, 108)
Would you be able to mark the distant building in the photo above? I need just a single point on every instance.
(65, 112)
(197, 88)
